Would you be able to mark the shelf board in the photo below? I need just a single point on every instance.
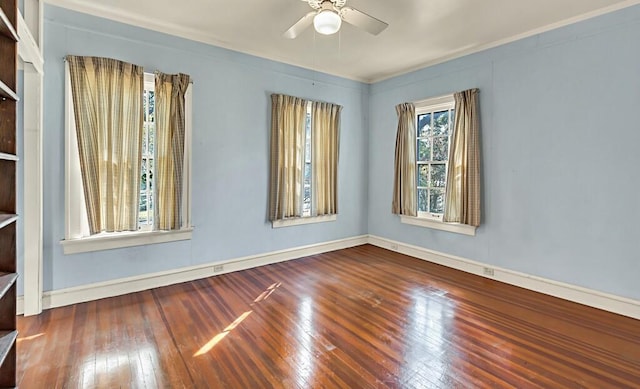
(6, 28)
(6, 281)
(6, 219)
(8, 157)
(7, 93)
(7, 340)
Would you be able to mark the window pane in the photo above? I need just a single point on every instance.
(307, 173)
(441, 123)
(438, 175)
(151, 129)
(423, 200)
(152, 104)
(436, 203)
(440, 149)
(452, 120)
(306, 202)
(150, 162)
(143, 203)
(143, 177)
(307, 140)
(424, 149)
(142, 215)
(307, 194)
(423, 175)
(150, 209)
(424, 125)
(144, 140)
(144, 105)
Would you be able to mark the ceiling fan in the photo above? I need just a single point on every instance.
(327, 18)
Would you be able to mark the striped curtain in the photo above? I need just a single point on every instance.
(404, 180)
(107, 107)
(462, 203)
(325, 119)
(288, 119)
(170, 90)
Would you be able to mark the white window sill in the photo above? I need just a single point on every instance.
(296, 221)
(123, 239)
(438, 225)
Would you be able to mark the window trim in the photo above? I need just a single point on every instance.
(76, 239)
(115, 240)
(297, 221)
(427, 219)
(436, 224)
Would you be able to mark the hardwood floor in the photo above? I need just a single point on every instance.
(357, 318)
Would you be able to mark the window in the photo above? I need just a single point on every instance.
(145, 212)
(306, 182)
(434, 125)
(304, 161)
(77, 233)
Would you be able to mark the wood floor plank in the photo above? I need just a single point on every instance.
(362, 317)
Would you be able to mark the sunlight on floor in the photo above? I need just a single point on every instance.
(216, 339)
(21, 339)
(265, 295)
(212, 343)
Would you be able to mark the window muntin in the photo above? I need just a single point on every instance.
(434, 126)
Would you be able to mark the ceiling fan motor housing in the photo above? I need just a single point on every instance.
(321, 4)
(327, 17)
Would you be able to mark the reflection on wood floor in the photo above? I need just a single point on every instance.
(357, 318)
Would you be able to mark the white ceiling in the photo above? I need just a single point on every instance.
(420, 32)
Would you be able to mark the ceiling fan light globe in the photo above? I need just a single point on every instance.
(327, 22)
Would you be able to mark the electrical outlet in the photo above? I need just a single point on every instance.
(218, 268)
(487, 271)
(394, 246)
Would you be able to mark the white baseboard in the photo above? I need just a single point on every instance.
(608, 302)
(84, 293)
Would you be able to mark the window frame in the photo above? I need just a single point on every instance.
(77, 238)
(308, 160)
(428, 219)
(431, 106)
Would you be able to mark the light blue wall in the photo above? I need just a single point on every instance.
(230, 149)
(559, 144)
(560, 165)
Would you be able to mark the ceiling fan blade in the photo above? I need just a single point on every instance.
(300, 26)
(362, 20)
